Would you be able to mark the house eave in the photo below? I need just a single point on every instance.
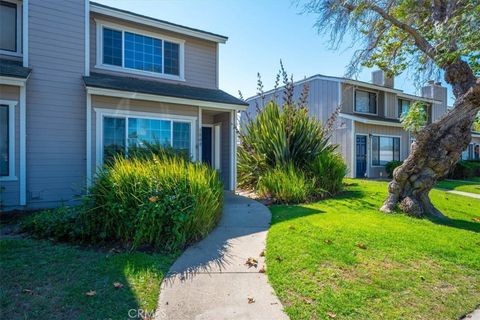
(13, 81)
(161, 98)
(370, 121)
(121, 14)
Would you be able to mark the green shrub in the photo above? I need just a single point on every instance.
(58, 224)
(278, 137)
(284, 184)
(166, 202)
(329, 169)
(390, 166)
(465, 169)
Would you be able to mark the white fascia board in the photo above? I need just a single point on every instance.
(370, 121)
(164, 99)
(156, 23)
(413, 97)
(13, 81)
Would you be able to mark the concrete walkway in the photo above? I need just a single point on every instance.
(463, 193)
(211, 280)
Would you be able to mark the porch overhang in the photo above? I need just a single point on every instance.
(372, 120)
(13, 73)
(132, 88)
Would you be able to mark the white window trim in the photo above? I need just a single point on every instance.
(11, 140)
(19, 30)
(386, 136)
(355, 104)
(99, 56)
(101, 113)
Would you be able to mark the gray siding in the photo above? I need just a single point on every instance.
(322, 101)
(200, 55)
(9, 190)
(391, 105)
(55, 102)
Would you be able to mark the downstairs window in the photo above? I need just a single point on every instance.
(384, 150)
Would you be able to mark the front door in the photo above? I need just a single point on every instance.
(361, 156)
(207, 145)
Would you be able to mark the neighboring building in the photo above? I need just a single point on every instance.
(369, 132)
(79, 80)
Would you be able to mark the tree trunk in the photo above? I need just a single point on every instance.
(437, 148)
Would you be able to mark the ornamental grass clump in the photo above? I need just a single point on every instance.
(159, 200)
(285, 153)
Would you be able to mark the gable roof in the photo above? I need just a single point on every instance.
(152, 87)
(162, 24)
(9, 68)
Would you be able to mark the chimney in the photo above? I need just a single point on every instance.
(434, 90)
(379, 78)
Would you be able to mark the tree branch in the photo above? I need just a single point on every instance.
(420, 41)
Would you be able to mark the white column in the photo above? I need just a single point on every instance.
(23, 143)
(88, 143)
(199, 139)
(87, 38)
(233, 149)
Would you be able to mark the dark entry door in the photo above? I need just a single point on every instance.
(207, 145)
(361, 156)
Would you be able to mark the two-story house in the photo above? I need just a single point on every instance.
(80, 81)
(368, 130)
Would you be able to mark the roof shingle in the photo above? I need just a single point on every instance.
(9, 68)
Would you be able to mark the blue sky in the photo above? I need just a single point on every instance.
(261, 32)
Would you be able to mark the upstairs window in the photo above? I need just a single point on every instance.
(384, 150)
(365, 102)
(140, 53)
(403, 107)
(10, 28)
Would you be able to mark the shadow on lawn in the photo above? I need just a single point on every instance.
(42, 280)
(458, 224)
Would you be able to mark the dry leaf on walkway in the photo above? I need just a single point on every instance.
(250, 300)
(117, 285)
(262, 254)
(262, 269)
(331, 314)
(251, 262)
(91, 293)
(361, 245)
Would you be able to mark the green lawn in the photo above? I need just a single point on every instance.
(41, 280)
(473, 186)
(341, 258)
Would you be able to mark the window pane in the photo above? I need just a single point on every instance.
(143, 53)
(113, 137)
(386, 150)
(181, 136)
(141, 131)
(396, 149)
(4, 152)
(403, 107)
(8, 26)
(171, 57)
(112, 47)
(361, 101)
(375, 151)
(372, 102)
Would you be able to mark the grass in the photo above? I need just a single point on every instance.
(341, 258)
(472, 185)
(41, 280)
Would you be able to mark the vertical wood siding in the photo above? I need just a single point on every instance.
(55, 102)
